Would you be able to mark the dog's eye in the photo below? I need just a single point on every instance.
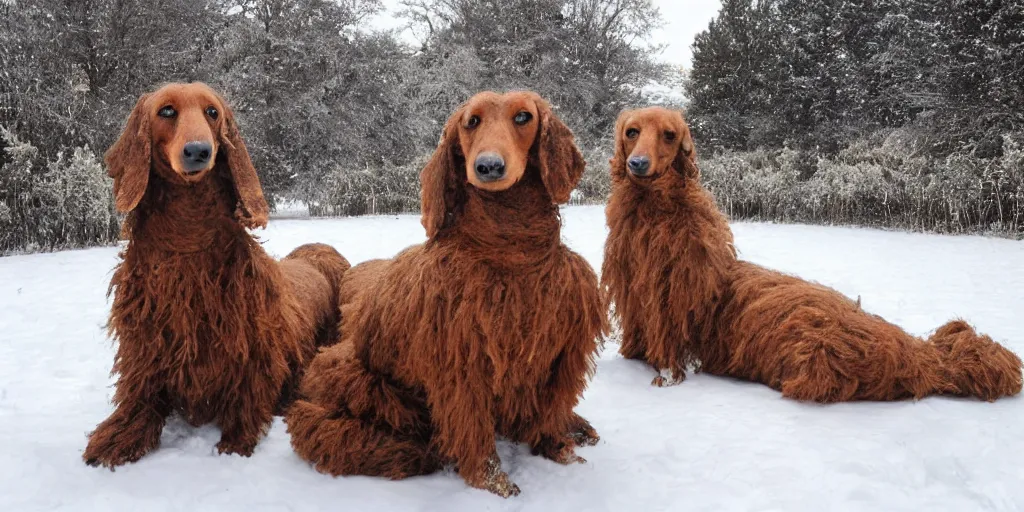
(167, 112)
(522, 118)
(632, 133)
(473, 122)
(670, 136)
(212, 112)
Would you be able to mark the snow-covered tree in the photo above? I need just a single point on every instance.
(64, 203)
(734, 79)
(981, 73)
(75, 201)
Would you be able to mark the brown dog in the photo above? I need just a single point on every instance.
(683, 298)
(207, 324)
(489, 328)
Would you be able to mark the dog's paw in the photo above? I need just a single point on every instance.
(226, 447)
(495, 481)
(116, 442)
(504, 488)
(567, 456)
(501, 484)
(111, 455)
(668, 377)
(588, 438)
(562, 452)
(582, 433)
(111, 460)
(572, 458)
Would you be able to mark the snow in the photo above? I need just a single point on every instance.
(707, 444)
(664, 94)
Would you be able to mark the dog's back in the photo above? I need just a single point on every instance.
(361, 279)
(325, 259)
(315, 272)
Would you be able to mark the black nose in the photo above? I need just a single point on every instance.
(639, 165)
(489, 167)
(196, 156)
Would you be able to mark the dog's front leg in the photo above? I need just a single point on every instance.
(246, 416)
(559, 429)
(631, 343)
(132, 430)
(464, 432)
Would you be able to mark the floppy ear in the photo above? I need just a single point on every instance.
(686, 157)
(252, 210)
(618, 161)
(442, 185)
(561, 163)
(128, 160)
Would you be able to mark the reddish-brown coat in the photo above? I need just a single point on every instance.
(207, 323)
(488, 329)
(684, 299)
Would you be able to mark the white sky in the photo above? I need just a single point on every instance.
(683, 20)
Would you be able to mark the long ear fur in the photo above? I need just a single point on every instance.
(561, 163)
(252, 210)
(128, 160)
(686, 157)
(618, 160)
(442, 185)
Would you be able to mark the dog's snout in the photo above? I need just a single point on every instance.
(489, 167)
(639, 165)
(196, 156)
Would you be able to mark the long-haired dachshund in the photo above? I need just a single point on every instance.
(207, 324)
(488, 329)
(683, 298)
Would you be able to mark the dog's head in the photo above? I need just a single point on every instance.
(182, 132)
(490, 143)
(653, 148)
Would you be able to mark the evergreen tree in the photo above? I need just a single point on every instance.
(733, 83)
(981, 73)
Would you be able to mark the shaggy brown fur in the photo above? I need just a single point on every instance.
(488, 329)
(683, 298)
(207, 324)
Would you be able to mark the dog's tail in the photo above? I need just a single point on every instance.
(974, 364)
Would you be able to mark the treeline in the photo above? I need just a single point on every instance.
(335, 115)
(905, 113)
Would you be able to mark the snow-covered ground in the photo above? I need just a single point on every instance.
(709, 444)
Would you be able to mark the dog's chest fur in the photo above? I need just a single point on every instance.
(188, 317)
(519, 318)
(501, 329)
(650, 246)
(525, 322)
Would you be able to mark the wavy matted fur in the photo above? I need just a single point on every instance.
(683, 298)
(207, 324)
(488, 329)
